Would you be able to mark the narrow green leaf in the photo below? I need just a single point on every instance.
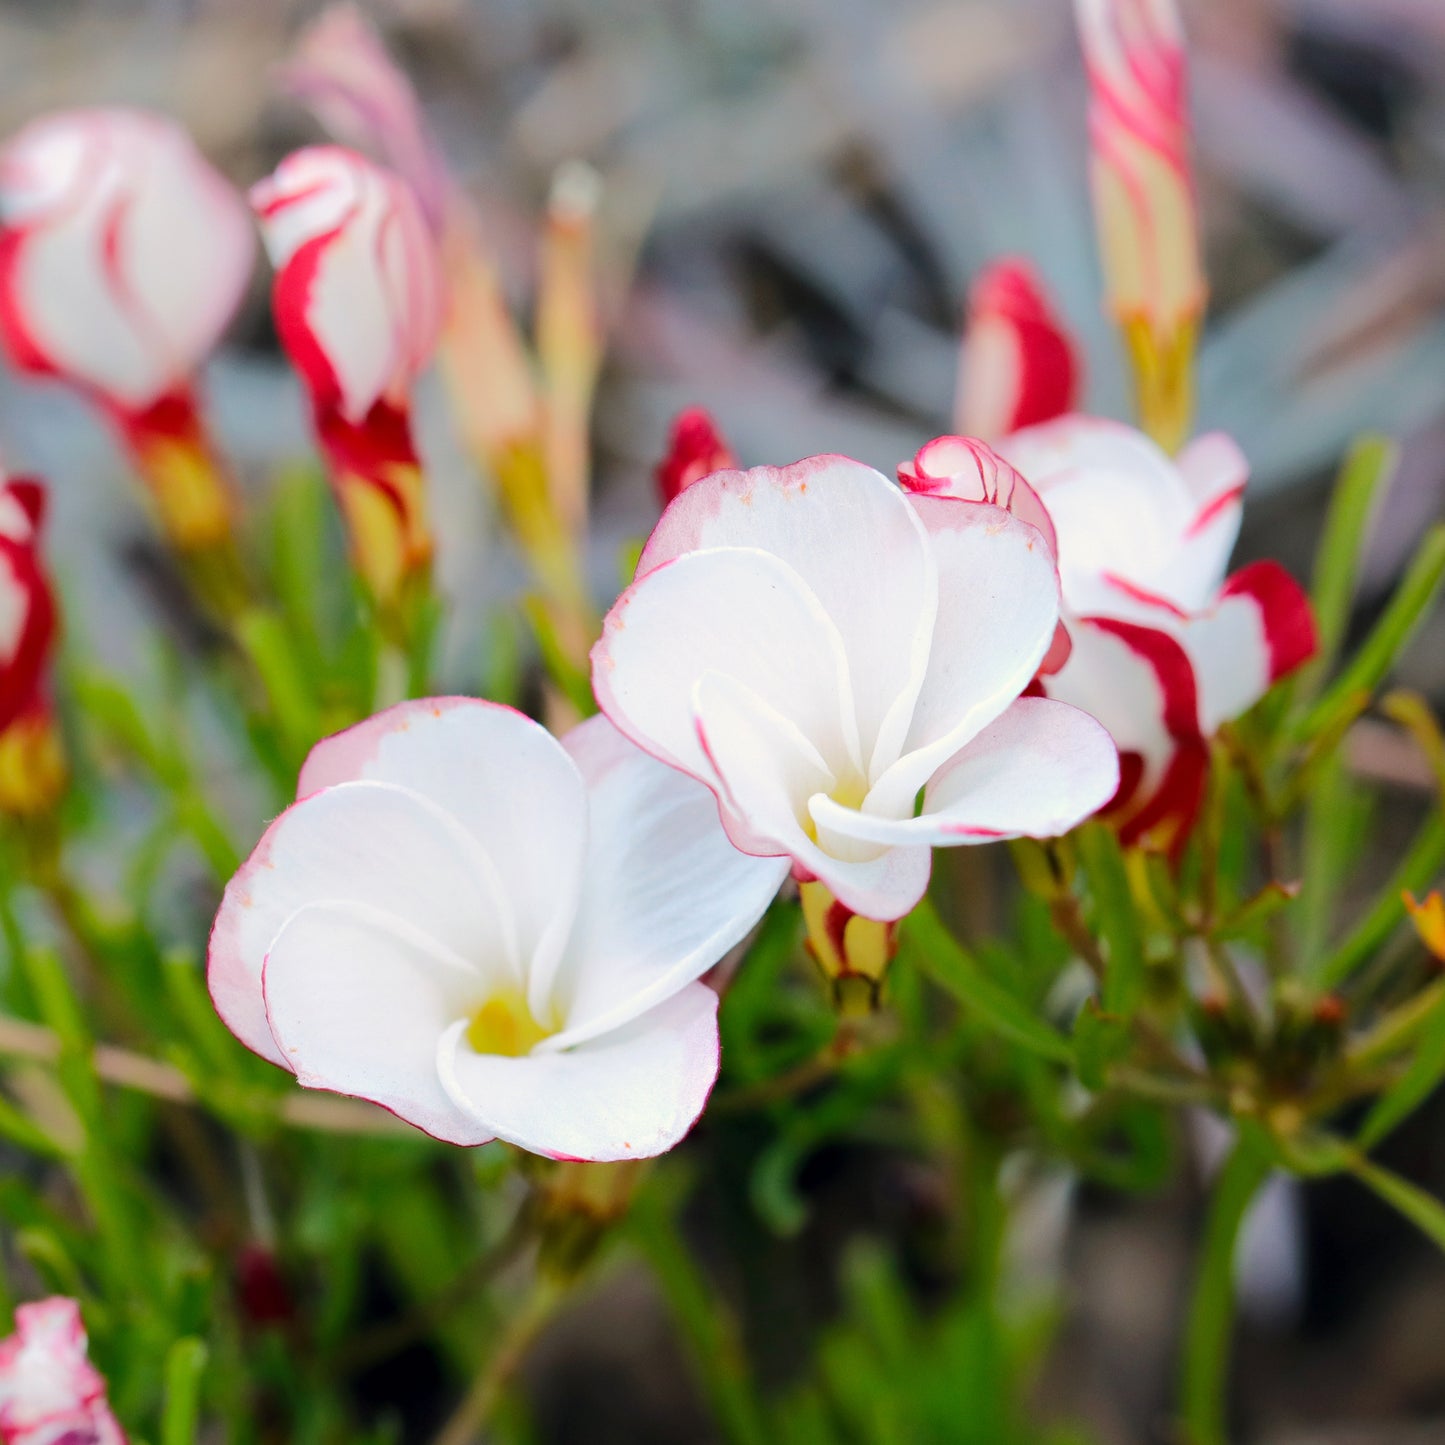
(1413, 1087)
(185, 1365)
(938, 955)
(1332, 588)
(1255, 911)
(1100, 1039)
(1423, 1210)
(1417, 871)
(1204, 1396)
(1377, 655)
(575, 685)
(1115, 918)
(268, 643)
(20, 1129)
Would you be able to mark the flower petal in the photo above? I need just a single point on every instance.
(504, 778)
(1140, 684)
(1118, 503)
(357, 1002)
(848, 532)
(768, 775)
(630, 1094)
(997, 613)
(1260, 629)
(665, 893)
(1037, 771)
(364, 842)
(735, 611)
(1215, 471)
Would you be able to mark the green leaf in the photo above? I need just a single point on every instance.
(1414, 1086)
(268, 643)
(940, 957)
(1423, 1210)
(1368, 466)
(1115, 918)
(1247, 919)
(1204, 1397)
(1417, 870)
(1380, 650)
(1100, 1039)
(574, 684)
(185, 1365)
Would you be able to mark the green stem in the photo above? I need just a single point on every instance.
(1211, 1313)
(479, 1403)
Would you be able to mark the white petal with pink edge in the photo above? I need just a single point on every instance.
(839, 526)
(513, 769)
(628, 1094)
(665, 894)
(356, 1002)
(740, 612)
(998, 609)
(1036, 771)
(387, 937)
(364, 842)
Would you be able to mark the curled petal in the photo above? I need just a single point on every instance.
(736, 611)
(664, 893)
(998, 612)
(840, 526)
(514, 771)
(971, 471)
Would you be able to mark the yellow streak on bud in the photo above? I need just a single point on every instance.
(387, 545)
(192, 499)
(33, 773)
(853, 952)
(504, 1025)
(1163, 379)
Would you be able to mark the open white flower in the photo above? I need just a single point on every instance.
(1165, 646)
(821, 650)
(491, 933)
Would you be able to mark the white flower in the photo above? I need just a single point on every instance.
(491, 933)
(123, 254)
(821, 650)
(1165, 646)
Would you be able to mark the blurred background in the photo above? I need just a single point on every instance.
(797, 195)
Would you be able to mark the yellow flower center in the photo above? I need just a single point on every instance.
(504, 1025)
